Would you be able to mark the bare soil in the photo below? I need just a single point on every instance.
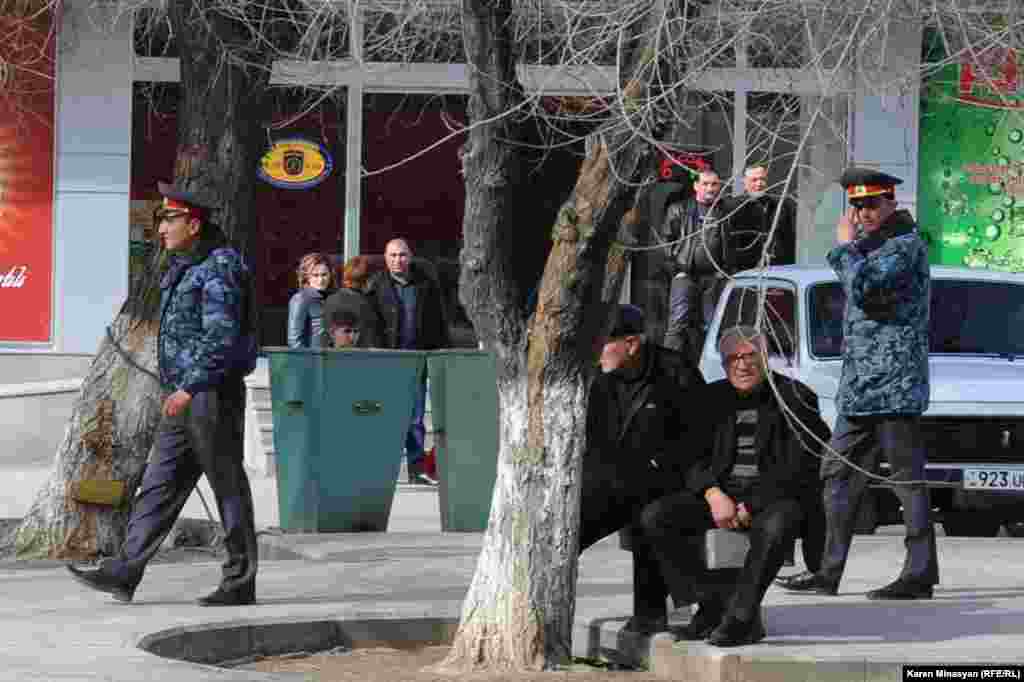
(409, 665)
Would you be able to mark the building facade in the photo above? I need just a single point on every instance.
(113, 137)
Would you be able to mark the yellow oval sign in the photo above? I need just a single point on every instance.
(295, 164)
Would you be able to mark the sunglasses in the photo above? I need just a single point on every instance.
(162, 214)
(867, 202)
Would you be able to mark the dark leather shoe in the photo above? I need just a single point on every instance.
(785, 580)
(646, 626)
(701, 624)
(734, 632)
(102, 580)
(813, 584)
(236, 597)
(900, 589)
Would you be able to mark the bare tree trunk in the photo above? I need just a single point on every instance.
(220, 134)
(115, 416)
(107, 439)
(519, 611)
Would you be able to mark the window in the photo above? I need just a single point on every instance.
(826, 303)
(977, 317)
(778, 321)
(967, 318)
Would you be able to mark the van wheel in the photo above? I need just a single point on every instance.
(968, 525)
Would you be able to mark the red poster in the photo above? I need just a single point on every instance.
(26, 180)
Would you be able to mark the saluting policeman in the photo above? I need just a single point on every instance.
(884, 384)
(205, 348)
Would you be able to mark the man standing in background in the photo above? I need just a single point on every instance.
(700, 229)
(754, 216)
(410, 308)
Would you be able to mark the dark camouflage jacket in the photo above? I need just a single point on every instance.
(205, 322)
(885, 327)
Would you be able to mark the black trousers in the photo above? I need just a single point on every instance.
(738, 591)
(207, 438)
(863, 440)
(691, 305)
(607, 506)
(812, 529)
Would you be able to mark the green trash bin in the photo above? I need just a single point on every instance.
(340, 419)
(464, 410)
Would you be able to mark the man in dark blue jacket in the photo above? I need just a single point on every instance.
(205, 348)
(410, 310)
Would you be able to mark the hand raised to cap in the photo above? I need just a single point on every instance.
(846, 229)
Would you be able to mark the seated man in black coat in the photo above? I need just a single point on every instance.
(758, 419)
(642, 437)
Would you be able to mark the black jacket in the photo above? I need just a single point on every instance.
(649, 449)
(752, 222)
(786, 461)
(431, 316)
(706, 248)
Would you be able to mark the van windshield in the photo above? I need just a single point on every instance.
(967, 318)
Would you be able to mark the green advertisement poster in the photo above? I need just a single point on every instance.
(971, 163)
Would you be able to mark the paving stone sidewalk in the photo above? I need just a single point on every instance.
(52, 629)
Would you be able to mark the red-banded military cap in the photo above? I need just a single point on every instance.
(181, 200)
(867, 182)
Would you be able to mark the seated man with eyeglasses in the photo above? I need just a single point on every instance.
(766, 431)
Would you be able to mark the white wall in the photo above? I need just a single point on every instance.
(884, 120)
(93, 168)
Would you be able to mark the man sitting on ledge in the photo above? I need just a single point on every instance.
(758, 419)
(642, 439)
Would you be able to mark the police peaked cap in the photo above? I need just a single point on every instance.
(867, 182)
(181, 199)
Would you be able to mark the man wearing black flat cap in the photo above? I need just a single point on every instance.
(205, 347)
(642, 437)
(884, 386)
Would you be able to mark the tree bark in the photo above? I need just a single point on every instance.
(107, 438)
(518, 613)
(115, 416)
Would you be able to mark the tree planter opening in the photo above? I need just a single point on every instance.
(233, 644)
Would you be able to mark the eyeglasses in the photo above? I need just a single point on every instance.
(751, 358)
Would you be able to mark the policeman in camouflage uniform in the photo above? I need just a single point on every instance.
(884, 384)
(205, 348)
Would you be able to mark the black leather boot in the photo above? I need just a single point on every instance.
(239, 596)
(102, 580)
(813, 584)
(902, 589)
(734, 632)
(707, 618)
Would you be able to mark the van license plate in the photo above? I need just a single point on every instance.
(994, 479)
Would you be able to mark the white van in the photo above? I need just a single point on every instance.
(974, 427)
